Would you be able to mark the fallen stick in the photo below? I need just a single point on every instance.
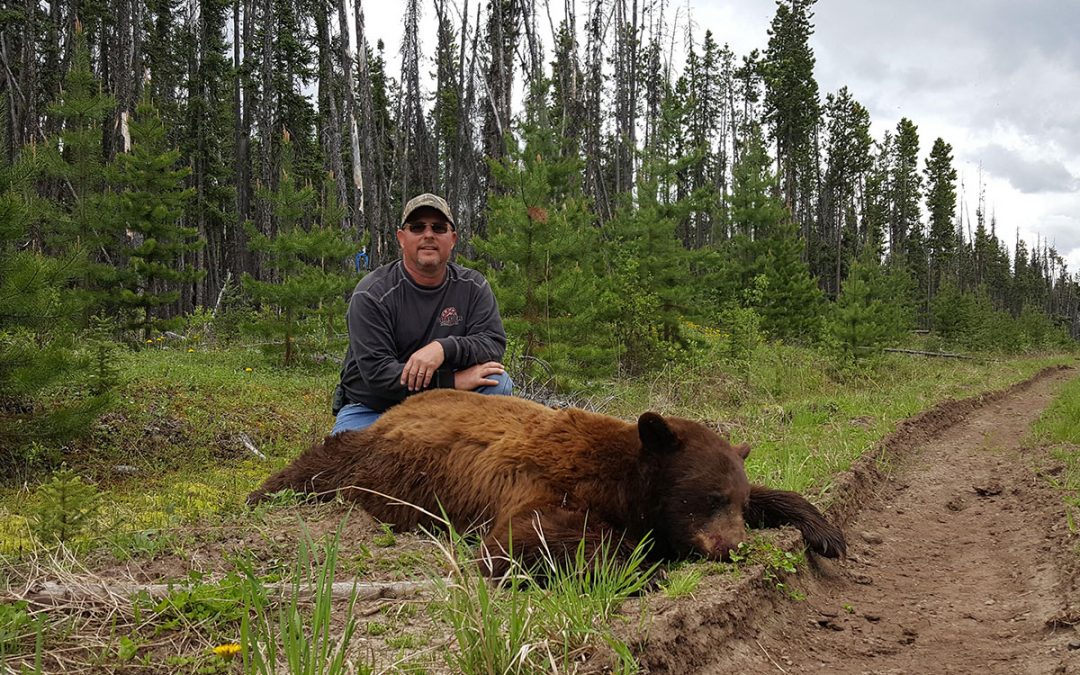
(948, 355)
(49, 593)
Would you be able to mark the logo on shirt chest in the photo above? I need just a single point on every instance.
(449, 317)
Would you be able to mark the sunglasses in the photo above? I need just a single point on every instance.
(419, 228)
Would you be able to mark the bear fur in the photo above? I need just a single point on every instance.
(544, 480)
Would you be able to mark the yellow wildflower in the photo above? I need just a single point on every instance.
(149, 342)
(247, 370)
(227, 650)
(190, 351)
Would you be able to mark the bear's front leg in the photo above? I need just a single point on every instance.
(772, 508)
(539, 537)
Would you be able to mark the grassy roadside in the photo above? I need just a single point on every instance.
(1058, 429)
(187, 421)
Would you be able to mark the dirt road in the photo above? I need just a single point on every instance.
(960, 562)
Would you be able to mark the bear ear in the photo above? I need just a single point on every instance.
(655, 433)
(742, 450)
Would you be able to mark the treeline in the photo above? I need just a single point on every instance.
(158, 157)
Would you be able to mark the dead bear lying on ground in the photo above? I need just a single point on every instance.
(547, 479)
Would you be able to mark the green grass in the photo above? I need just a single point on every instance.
(1059, 429)
(537, 621)
(682, 581)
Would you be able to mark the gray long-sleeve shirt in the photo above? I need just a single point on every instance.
(390, 316)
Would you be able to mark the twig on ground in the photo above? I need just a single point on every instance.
(52, 594)
(769, 656)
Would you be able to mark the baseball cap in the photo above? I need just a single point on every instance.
(432, 201)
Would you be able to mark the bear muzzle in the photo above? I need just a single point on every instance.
(717, 546)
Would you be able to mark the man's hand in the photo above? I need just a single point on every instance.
(477, 376)
(421, 366)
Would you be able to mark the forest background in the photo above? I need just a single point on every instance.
(215, 167)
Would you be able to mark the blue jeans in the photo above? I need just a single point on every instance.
(356, 416)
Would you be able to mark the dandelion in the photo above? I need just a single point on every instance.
(161, 338)
(149, 342)
(227, 650)
(247, 370)
(190, 351)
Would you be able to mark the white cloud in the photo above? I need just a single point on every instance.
(1028, 175)
(997, 79)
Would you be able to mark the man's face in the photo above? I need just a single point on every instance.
(424, 250)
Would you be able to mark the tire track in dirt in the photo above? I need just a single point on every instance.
(960, 562)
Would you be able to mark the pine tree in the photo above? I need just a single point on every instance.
(905, 187)
(541, 233)
(875, 208)
(446, 114)
(862, 320)
(848, 151)
(501, 39)
(651, 272)
(951, 313)
(74, 159)
(755, 212)
(65, 507)
(207, 145)
(792, 108)
(941, 206)
(304, 256)
(414, 143)
(792, 304)
(39, 315)
(567, 90)
(147, 208)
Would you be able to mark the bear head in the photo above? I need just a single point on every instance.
(699, 487)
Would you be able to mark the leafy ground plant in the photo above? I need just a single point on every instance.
(776, 562)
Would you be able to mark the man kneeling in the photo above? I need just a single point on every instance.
(421, 322)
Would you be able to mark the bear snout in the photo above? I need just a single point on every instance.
(716, 546)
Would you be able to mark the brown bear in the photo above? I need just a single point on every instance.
(542, 479)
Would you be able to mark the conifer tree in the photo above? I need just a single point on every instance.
(848, 161)
(305, 256)
(147, 208)
(74, 159)
(39, 316)
(905, 188)
(654, 240)
(951, 313)
(875, 208)
(446, 114)
(755, 212)
(207, 146)
(864, 318)
(791, 102)
(941, 207)
(650, 271)
(792, 304)
(567, 89)
(766, 253)
(541, 233)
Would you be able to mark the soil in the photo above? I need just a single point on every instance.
(960, 561)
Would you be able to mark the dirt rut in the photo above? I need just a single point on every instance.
(960, 562)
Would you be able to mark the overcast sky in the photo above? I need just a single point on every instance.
(999, 80)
